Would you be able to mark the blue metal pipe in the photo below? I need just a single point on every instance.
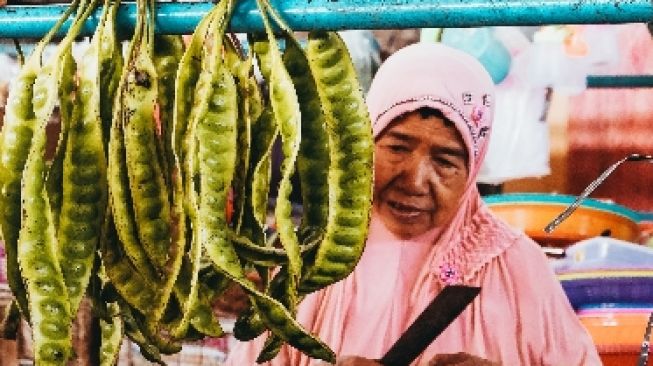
(620, 81)
(181, 17)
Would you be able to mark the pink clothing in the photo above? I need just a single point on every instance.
(521, 317)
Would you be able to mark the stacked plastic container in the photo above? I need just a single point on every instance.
(610, 284)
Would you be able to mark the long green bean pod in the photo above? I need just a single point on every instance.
(168, 50)
(45, 95)
(249, 324)
(267, 255)
(265, 133)
(211, 141)
(120, 199)
(261, 175)
(273, 314)
(157, 232)
(185, 82)
(15, 142)
(351, 148)
(133, 291)
(261, 131)
(119, 194)
(149, 192)
(49, 79)
(49, 306)
(84, 178)
(203, 318)
(125, 277)
(250, 110)
(187, 74)
(186, 288)
(48, 298)
(313, 158)
(111, 338)
(312, 161)
(54, 180)
(121, 260)
(241, 70)
(213, 135)
(134, 333)
(285, 107)
(110, 65)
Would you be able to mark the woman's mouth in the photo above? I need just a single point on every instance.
(405, 211)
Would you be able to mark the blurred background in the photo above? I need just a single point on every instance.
(571, 101)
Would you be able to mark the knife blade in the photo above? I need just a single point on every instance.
(435, 318)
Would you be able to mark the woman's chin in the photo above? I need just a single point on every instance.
(406, 224)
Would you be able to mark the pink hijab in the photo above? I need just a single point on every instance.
(440, 77)
(395, 279)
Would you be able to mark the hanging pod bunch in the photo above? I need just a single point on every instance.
(157, 198)
(142, 260)
(337, 149)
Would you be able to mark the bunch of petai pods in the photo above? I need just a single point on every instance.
(156, 138)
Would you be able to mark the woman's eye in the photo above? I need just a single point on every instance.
(398, 148)
(444, 162)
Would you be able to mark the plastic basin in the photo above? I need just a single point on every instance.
(532, 212)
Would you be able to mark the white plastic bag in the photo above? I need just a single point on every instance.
(519, 141)
(546, 63)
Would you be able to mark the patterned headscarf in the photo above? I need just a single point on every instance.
(440, 77)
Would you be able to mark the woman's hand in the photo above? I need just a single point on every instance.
(460, 359)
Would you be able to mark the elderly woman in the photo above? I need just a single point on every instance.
(432, 109)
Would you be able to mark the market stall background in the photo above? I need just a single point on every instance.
(585, 128)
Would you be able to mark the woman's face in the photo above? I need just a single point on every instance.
(420, 174)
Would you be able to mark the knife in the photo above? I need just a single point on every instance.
(437, 316)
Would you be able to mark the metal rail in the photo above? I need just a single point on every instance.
(182, 17)
(620, 81)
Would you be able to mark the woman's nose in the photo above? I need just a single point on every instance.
(418, 174)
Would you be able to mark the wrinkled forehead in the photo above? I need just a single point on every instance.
(428, 126)
(438, 77)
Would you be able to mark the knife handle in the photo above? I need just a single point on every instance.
(437, 316)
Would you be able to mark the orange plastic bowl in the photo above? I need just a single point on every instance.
(531, 212)
(617, 334)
